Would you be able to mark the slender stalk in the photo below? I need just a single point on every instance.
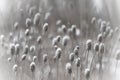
(57, 70)
(116, 66)
(33, 76)
(77, 74)
(92, 61)
(87, 58)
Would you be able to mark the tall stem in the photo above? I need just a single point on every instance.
(87, 58)
(116, 66)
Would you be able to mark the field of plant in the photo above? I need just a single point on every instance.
(54, 40)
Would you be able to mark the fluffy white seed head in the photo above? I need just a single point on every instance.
(32, 10)
(34, 58)
(12, 49)
(17, 49)
(32, 66)
(76, 50)
(28, 22)
(54, 42)
(32, 48)
(77, 62)
(56, 47)
(87, 73)
(9, 59)
(36, 20)
(10, 35)
(47, 15)
(71, 57)
(45, 58)
(64, 28)
(99, 38)
(58, 22)
(68, 68)
(58, 38)
(108, 30)
(103, 27)
(45, 27)
(77, 32)
(73, 28)
(93, 20)
(39, 39)
(2, 37)
(96, 47)
(58, 53)
(26, 49)
(16, 25)
(27, 32)
(101, 48)
(23, 57)
(89, 44)
(65, 40)
(15, 67)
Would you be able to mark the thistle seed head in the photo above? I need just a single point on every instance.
(45, 58)
(32, 66)
(89, 44)
(69, 68)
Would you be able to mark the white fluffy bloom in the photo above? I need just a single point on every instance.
(103, 27)
(73, 28)
(39, 39)
(36, 20)
(9, 59)
(17, 49)
(96, 47)
(10, 35)
(58, 53)
(23, 57)
(76, 50)
(34, 58)
(87, 73)
(77, 62)
(58, 38)
(45, 27)
(12, 49)
(16, 25)
(27, 32)
(99, 38)
(28, 22)
(32, 48)
(58, 22)
(65, 40)
(47, 15)
(68, 68)
(15, 67)
(45, 58)
(93, 20)
(54, 42)
(26, 49)
(71, 57)
(64, 28)
(89, 44)
(32, 66)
